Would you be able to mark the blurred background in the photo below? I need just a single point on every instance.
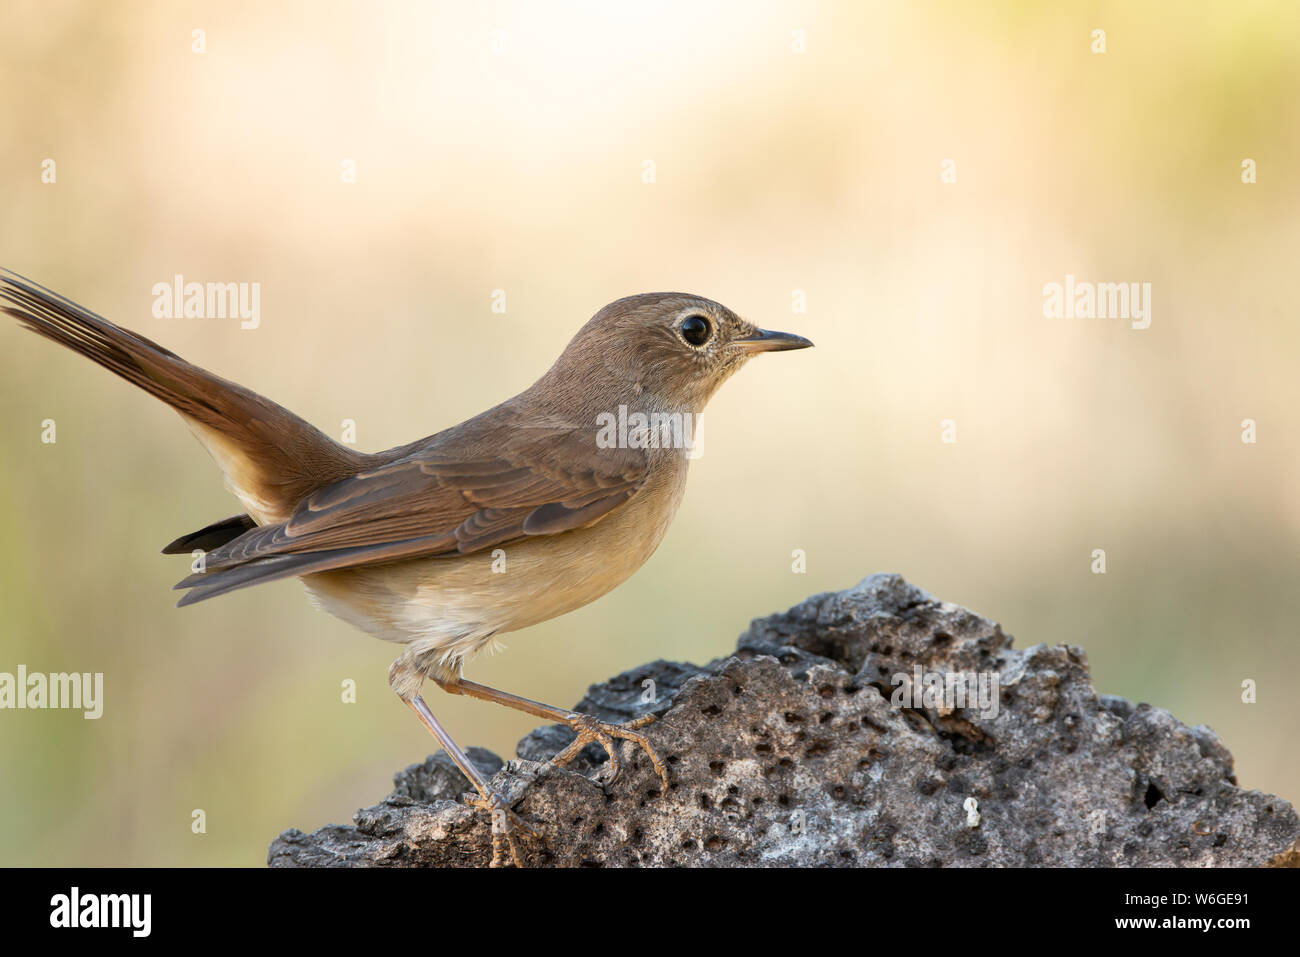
(767, 155)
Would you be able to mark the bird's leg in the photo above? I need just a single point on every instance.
(505, 822)
(587, 728)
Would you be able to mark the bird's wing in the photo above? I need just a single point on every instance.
(452, 497)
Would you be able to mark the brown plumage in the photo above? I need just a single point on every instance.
(491, 481)
(395, 542)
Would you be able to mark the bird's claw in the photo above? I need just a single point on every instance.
(589, 730)
(506, 824)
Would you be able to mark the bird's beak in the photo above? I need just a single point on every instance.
(764, 340)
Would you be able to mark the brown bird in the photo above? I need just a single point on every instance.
(401, 543)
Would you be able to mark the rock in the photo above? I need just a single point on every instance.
(792, 752)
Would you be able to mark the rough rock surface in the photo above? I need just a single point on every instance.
(791, 753)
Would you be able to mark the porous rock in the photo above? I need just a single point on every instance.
(797, 751)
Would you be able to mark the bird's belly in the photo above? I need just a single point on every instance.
(457, 603)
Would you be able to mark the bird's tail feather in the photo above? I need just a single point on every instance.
(271, 458)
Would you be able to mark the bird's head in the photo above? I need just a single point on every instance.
(670, 350)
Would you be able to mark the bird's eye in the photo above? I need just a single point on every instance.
(696, 330)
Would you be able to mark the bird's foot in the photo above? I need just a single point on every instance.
(506, 826)
(591, 730)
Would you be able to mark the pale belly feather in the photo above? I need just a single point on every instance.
(453, 606)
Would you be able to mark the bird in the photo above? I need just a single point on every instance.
(398, 543)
